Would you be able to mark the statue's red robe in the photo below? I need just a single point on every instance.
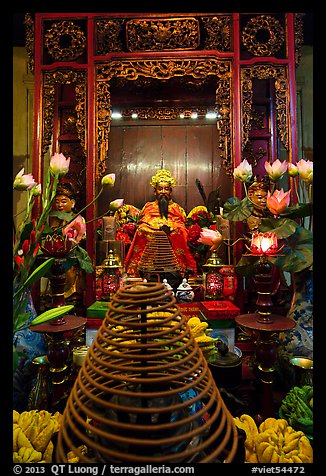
(150, 220)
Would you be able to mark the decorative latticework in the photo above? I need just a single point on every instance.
(158, 255)
(144, 392)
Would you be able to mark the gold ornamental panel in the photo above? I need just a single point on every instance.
(162, 34)
(30, 40)
(257, 120)
(164, 69)
(165, 113)
(65, 41)
(263, 35)
(219, 32)
(298, 36)
(279, 74)
(107, 36)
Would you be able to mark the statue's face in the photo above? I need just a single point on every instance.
(163, 190)
(259, 198)
(63, 203)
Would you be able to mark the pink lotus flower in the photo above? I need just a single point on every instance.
(292, 170)
(59, 164)
(75, 230)
(37, 190)
(305, 168)
(243, 172)
(278, 202)
(276, 170)
(116, 204)
(264, 243)
(209, 237)
(24, 181)
(109, 180)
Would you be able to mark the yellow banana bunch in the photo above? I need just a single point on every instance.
(32, 433)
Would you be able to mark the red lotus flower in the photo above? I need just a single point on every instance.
(264, 244)
(56, 246)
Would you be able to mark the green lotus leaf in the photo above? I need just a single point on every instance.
(283, 227)
(83, 259)
(297, 253)
(299, 210)
(236, 210)
(66, 216)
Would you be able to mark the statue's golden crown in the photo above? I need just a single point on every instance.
(162, 176)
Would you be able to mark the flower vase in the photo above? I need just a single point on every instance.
(299, 341)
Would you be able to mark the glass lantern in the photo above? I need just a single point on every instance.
(213, 279)
(110, 276)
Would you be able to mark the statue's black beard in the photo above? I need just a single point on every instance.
(163, 205)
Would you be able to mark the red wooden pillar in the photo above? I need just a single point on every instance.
(91, 160)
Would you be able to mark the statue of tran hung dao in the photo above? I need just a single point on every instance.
(161, 214)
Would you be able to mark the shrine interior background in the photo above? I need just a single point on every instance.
(135, 149)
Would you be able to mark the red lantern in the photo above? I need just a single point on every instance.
(264, 244)
(110, 276)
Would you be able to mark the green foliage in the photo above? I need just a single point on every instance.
(65, 216)
(296, 241)
(297, 253)
(83, 259)
(38, 273)
(296, 408)
(300, 210)
(283, 227)
(23, 323)
(50, 315)
(236, 210)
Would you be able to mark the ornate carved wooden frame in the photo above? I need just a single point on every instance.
(50, 79)
(279, 74)
(163, 68)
